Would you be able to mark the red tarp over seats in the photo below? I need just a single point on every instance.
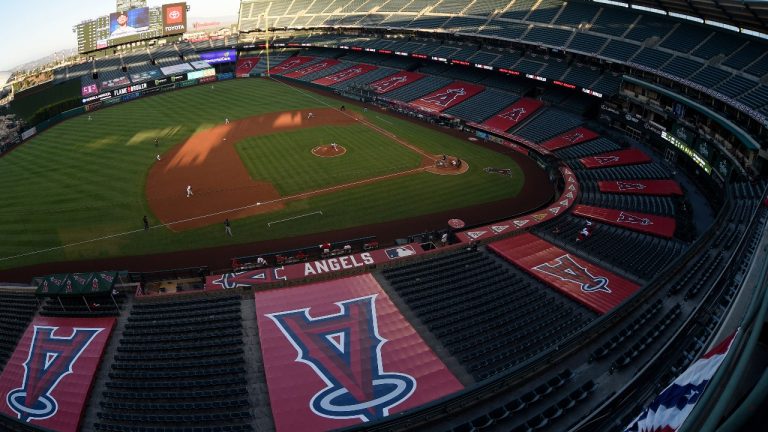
(661, 226)
(314, 67)
(567, 139)
(339, 353)
(395, 81)
(290, 63)
(448, 96)
(244, 66)
(513, 114)
(616, 158)
(345, 74)
(48, 377)
(588, 284)
(641, 187)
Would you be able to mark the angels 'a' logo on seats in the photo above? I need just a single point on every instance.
(572, 138)
(389, 83)
(344, 350)
(341, 76)
(629, 218)
(566, 269)
(602, 160)
(445, 98)
(51, 358)
(629, 186)
(513, 114)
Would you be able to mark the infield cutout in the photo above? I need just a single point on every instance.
(329, 151)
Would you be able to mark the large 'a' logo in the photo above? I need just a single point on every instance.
(344, 350)
(629, 218)
(629, 186)
(445, 98)
(513, 114)
(602, 160)
(389, 83)
(51, 358)
(574, 137)
(566, 269)
(343, 75)
(314, 68)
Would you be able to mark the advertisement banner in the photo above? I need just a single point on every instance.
(120, 81)
(661, 226)
(144, 76)
(570, 138)
(47, 379)
(616, 158)
(220, 56)
(176, 69)
(573, 276)
(245, 66)
(448, 96)
(513, 114)
(339, 353)
(90, 89)
(174, 18)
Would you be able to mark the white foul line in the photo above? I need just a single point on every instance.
(269, 224)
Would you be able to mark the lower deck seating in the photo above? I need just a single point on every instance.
(488, 314)
(17, 309)
(179, 364)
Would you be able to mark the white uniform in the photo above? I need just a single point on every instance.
(189, 191)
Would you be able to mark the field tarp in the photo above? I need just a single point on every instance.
(339, 353)
(577, 278)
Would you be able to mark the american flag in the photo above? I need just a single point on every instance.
(670, 408)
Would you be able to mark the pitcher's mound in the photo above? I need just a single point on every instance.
(328, 151)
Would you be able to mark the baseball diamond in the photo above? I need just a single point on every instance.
(393, 215)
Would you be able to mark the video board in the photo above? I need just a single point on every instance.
(130, 26)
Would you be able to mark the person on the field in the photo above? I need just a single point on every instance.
(227, 227)
(189, 191)
(335, 147)
(146, 223)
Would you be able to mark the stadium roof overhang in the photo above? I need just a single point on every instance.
(744, 14)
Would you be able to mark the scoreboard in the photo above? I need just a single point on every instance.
(131, 25)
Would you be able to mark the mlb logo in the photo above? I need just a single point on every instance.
(399, 252)
(174, 14)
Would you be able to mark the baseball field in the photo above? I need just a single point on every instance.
(79, 191)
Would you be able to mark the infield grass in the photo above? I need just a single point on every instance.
(84, 180)
(286, 160)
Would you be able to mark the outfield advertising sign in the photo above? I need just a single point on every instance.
(145, 76)
(220, 56)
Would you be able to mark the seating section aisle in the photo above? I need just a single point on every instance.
(179, 365)
(489, 315)
(16, 311)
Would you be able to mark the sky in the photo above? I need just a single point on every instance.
(31, 29)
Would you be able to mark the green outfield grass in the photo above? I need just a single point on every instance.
(286, 159)
(83, 180)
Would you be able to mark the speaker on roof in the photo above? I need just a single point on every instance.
(125, 69)
(181, 56)
(154, 62)
(95, 75)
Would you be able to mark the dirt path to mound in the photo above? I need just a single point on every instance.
(208, 162)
